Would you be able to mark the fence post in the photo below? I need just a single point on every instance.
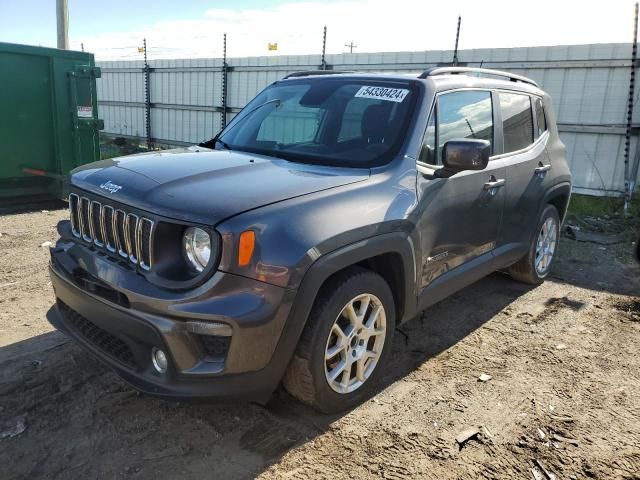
(627, 142)
(455, 50)
(147, 98)
(323, 62)
(223, 122)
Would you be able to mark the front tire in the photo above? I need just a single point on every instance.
(345, 343)
(534, 267)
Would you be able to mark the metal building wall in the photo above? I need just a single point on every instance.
(588, 83)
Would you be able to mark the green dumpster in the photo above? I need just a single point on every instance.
(48, 118)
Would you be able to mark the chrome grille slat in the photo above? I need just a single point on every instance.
(95, 223)
(108, 229)
(119, 232)
(144, 254)
(74, 214)
(130, 237)
(85, 219)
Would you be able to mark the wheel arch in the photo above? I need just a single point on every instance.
(390, 255)
(558, 196)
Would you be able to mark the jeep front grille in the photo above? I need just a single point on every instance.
(119, 232)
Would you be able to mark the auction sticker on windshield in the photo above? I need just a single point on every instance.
(383, 93)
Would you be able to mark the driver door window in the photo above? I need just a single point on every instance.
(458, 115)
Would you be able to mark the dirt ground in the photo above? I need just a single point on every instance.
(564, 396)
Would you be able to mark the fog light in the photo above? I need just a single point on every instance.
(159, 359)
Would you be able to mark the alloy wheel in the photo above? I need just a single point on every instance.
(546, 245)
(355, 343)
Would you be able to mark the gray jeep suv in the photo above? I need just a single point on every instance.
(334, 207)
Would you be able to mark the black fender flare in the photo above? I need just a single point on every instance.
(395, 242)
(563, 188)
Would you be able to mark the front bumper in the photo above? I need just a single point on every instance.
(119, 317)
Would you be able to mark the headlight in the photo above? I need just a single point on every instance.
(196, 245)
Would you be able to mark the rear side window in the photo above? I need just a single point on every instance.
(540, 118)
(517, 121)
(464, 114)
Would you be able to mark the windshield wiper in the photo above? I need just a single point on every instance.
(215, 140)
(221, 142)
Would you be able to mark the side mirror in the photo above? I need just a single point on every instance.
(460, 155)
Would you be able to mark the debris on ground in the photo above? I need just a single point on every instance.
(541, 434)
(539, 472)
(467, 434)
(486, 432)
(571, 231)
(18, 426)
(602, 238)
(560, 438)
(484, 377)
(561, 346)
(562, 418)
(46, 244)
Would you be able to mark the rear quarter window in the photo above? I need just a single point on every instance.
(517, 121)
(541, 120)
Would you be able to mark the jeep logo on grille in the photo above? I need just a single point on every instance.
(110, 186)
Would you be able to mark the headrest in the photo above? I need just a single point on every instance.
(375, 122)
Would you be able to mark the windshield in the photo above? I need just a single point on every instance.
(348, 122)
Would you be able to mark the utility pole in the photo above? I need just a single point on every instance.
(351, 46)
(62, 16)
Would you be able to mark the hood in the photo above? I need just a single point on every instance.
(206, 186)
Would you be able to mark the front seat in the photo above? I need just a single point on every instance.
(375, 123)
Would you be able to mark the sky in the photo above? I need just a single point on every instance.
(113, 29)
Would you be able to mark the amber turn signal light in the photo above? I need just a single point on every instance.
(245, 247)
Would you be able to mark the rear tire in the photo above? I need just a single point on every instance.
(348, 336)
(535, 266)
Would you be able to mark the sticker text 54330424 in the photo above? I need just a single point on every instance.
(383, 93)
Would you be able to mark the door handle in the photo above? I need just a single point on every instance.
(542, 169)
(493, 183)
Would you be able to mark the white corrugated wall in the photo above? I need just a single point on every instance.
(588, 83)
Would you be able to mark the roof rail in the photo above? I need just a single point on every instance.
(311, 73)
(433, 71)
